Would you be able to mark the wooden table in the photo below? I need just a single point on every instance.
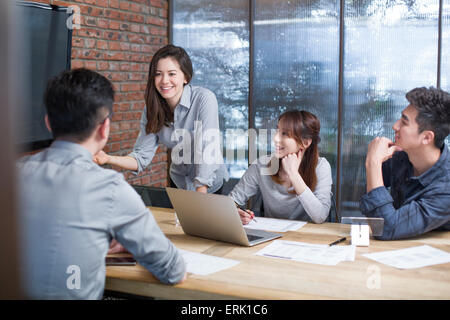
(257, 277)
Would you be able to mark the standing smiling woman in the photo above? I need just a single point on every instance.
(175, 109)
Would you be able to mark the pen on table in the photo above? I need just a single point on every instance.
(275, 256)
(337, 241)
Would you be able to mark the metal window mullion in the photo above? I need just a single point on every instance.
(251, 122)
(340, 109)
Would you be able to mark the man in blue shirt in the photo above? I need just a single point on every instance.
(71, 208)
(416, 168)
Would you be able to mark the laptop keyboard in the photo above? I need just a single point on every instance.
(252, 237)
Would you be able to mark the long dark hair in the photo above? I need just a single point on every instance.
(158, 111)
(301, 125)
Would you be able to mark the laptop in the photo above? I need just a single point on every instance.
(215, 217)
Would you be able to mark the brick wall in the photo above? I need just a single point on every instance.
(117, 38)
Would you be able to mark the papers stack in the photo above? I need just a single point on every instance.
(276, 225)
(307, 252)
(203, 264)
(415, 257)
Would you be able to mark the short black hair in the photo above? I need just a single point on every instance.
(433, 106)
(76, 102)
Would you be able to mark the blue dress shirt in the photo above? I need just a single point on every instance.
(415, 205)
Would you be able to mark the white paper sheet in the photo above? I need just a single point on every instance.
(277, 225)
(203, 264)
(307, 252)
(348, 252)
(415, 257)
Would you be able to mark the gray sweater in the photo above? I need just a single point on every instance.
(278, 202)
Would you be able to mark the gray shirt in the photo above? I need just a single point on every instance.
(70, 210)
(278, 202)
(194, 138)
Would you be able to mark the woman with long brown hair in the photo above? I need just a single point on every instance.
(176, 115)
(299, 187)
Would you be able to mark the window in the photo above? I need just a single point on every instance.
(445, 51)
(350, 66)
(391, 47)
(296, 65)
(215, 34)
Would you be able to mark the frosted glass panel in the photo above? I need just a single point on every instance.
(296, 65)
(216, 36)
(445, 63)
(390, 48)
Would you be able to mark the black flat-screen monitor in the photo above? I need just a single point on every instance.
(45, 42)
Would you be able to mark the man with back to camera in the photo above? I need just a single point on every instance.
(418, 174)
(71, 208)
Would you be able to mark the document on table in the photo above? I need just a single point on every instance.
(415, 257)
(277, 225)
(203, 264)
(307, 252)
